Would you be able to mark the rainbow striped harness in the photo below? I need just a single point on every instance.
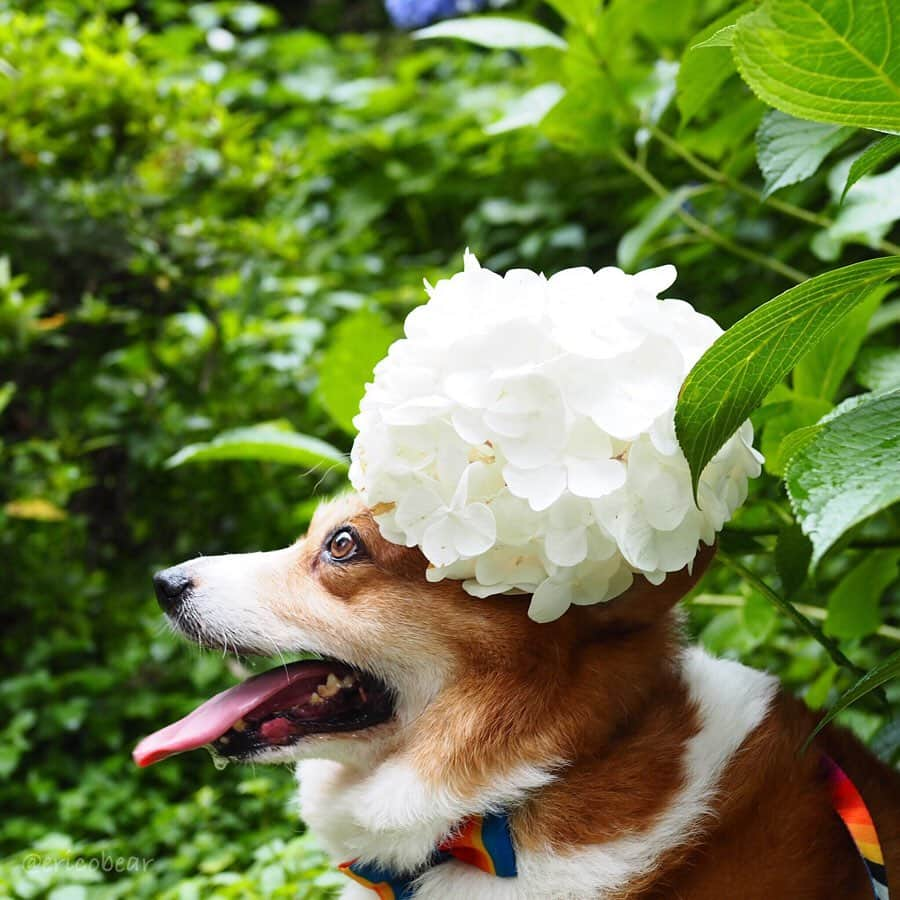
(481, 841)
(486, 843)
(851, 807)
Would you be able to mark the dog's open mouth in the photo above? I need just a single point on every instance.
(275, 709)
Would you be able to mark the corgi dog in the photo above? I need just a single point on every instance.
(449, 747)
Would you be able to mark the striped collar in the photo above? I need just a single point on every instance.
(481, 841)
(851, 807)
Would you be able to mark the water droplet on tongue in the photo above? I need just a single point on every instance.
(220, 762)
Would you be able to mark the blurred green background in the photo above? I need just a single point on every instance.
(215, 216)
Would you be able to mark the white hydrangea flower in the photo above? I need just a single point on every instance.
(522, 435)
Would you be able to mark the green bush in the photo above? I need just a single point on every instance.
(212, 219)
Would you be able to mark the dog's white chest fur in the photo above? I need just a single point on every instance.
(393, 817)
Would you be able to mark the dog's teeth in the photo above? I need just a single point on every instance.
(224, 739)
(331, 686)
(315, 699)
(349, 681)
(240, 725)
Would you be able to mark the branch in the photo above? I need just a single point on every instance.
(701, 228)
(813, 612)
(831, 646)
(726, 180)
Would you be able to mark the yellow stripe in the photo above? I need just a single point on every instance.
(871, 852)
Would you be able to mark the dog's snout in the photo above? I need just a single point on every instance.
(171, 586)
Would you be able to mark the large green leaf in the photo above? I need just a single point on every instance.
(853, 607)
(268, 442)
(820, 373)
(876, 153)
(789, 150)
(744, 364)
(871, 681)
(826, 60)
(705, 66)
(359, 342)
(848, 470)
(496, 32)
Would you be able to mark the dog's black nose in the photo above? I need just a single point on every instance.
(171, 586)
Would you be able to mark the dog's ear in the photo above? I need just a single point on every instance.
(644, 603)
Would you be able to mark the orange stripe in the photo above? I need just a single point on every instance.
(863, 833)
(384, 890)
(467, 845)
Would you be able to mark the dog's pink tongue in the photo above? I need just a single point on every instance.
(212, 719)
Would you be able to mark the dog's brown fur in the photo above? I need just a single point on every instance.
(600, 689)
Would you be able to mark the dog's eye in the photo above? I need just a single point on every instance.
(343, 545)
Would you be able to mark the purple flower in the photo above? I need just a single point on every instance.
(418, 13)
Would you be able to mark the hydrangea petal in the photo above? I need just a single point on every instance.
(541, 487)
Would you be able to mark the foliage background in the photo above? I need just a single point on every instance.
(214, 216)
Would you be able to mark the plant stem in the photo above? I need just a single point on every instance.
(831, 647)
(726, 180)
(813, 612)
(860, 543)
(701, 228)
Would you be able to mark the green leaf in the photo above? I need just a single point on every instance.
(848, 471)
(795, 442)
(734, 375)
(267, 442)
(792, 553)
(821, 372)
(826, 60)
(853, 607)
(878, 368)
(582, 121)
(816, 695)
(759, 617)
(886, 743)
(724, 37)
(577, 12)
(705, 66)
(497, 32)
(871, 681)
(876, 153)
(359, 342)
(799, 413)
(789, 150)
(529, 109)
(6, 394)
(871, 208)
(628, 252)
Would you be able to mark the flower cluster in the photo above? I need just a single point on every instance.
(522, 435)
(418, 13)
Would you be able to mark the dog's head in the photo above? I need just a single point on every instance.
(398, 656)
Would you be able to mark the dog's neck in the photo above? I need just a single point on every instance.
(500, 736)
